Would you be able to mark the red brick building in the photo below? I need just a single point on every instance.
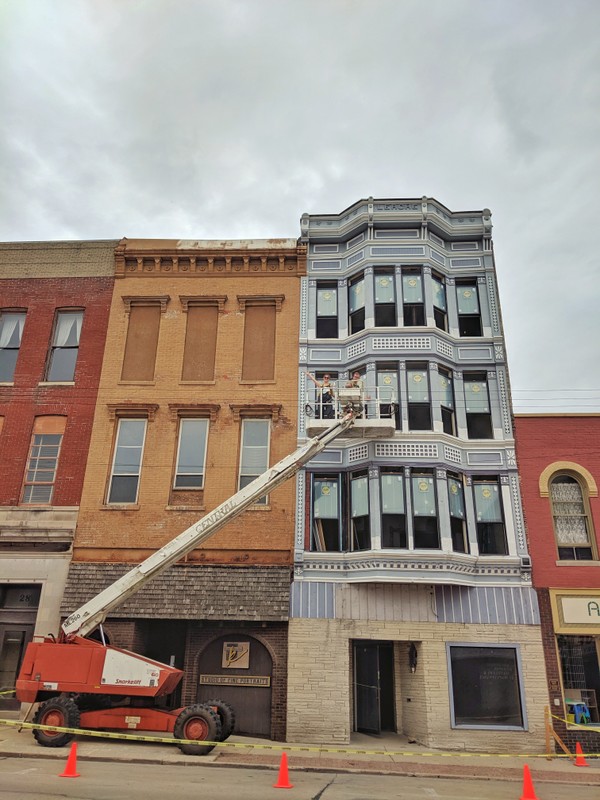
(559, 455)
(54, 305)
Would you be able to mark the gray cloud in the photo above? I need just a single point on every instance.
(203, 119)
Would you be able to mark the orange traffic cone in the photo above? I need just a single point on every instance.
(528, 790)
(283, 781)
(579, 757)
(71, 767)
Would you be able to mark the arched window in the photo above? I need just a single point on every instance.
(572, 524)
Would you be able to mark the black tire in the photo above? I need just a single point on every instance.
(226, 715)
(197, 722)
(59, 711)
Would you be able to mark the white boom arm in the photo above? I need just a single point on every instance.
(94, 612)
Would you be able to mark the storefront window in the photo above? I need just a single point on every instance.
(485, 687)
(581, 677)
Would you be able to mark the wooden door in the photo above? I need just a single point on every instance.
(238, 669)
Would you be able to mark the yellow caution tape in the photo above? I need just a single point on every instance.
(279, 747)
(7, 691)
(592, 728)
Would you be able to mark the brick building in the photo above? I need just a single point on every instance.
(412, 608)
(54, 304)
(559, 458)
(198, 395)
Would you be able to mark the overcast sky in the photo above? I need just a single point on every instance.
(230, 118)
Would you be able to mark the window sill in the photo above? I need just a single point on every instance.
(136, 383)
(185, 508)
(258, 508)
(7, 383)
(56, 383)
(575, 563)
(120, 507)
(198, 383)
(261, 383)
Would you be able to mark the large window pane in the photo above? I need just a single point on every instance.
(127, 461)
(467, 299)
(356, 298)
(191, 454)
(412, 289)
(439, 293)
(384, 289)
(418, 387)
(485, 687)
(11, 331)
(456, 498)
(325, 498)
(476, 396)
(487, 501)
(423, 495)
(327, 302)
(392, 494)
(65, 346)
(254, 458)
(446, 394)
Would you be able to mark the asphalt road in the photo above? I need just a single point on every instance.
(37, 779)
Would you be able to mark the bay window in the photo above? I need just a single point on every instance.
(477, 406)
(359, 512)
(419, 400)
(385, 299)
(469, 313)
(491, 531)
(327, 311)
(326, 534)
(393, 510)
(413, 298)
(440, 307)
(424, 511)
(356, 304)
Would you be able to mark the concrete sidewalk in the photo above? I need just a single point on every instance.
(246, 751)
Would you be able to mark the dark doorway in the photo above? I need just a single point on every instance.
(164, 641)
(13, 641)
(374, 701)
(246, 687)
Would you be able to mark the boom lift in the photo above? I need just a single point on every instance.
(83, 683)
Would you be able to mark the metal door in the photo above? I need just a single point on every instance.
(374, 701)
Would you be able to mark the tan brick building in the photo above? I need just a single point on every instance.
(198, 395)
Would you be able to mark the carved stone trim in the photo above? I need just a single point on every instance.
(260, 300)
(203, 300)
(210, 410)
(146, 300)
(132, 410)
(250, 410)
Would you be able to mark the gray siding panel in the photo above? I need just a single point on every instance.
(486, 604)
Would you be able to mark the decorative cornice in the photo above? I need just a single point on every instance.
(177, 410)
(146, 300)
(255, 410)
(188, 300)
(135, 261)
(260, 300)
(132, 409)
